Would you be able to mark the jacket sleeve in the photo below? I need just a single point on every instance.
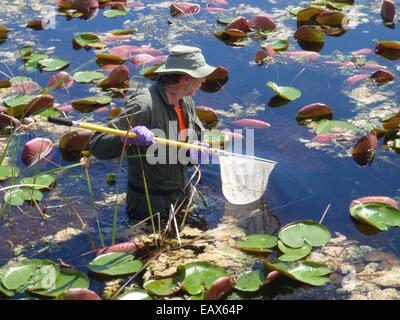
(106, 146)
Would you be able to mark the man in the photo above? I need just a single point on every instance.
(166, 106)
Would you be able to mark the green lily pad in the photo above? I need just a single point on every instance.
(44, 181)
(328, 126)
(225, 20)
(308, 272)
(20, 275)
(8, 172)
(135, 294)
(257, 243)
(16, 80)
(300, 233)
(114, 264)
(17, 101)
(87, 76)
(89, 40)
(115, 13)
(293, 254)
(18, 196)
(53, 64)
(287, 93)
(199, 276)
(3, 289)
(123, 32)
(25, 51)
(67, 279)
(378, 215)
(250, 281)
(164, 287)
(48, 112)
(278, 45)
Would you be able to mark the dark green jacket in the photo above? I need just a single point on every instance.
(149, 108)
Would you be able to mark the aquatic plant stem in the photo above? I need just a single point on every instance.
(93, 205)
(323, 216)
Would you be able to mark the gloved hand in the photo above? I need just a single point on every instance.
(144, 137)
(200, 156)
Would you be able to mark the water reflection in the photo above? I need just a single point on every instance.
(254, 218)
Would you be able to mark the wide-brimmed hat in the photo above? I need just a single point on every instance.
(185, 59)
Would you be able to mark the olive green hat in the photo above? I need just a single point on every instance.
(188, 60)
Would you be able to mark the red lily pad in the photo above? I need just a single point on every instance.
(240, 23)
(388, 10)
(36, 150)
(184, 9)
(220, 288)
(79, 294)
(382, 76)
(6, 120)
(302, 54)
(216, 80)
(61, 80)
(118, 78)
(314, 111)
(392, 122)
(262, 23)
(73, 143)
(38, 103)
(136, 248)
(251, 123)
(352, 80)
(206, 114)
(376, 199)
(365, 149)
(388, 49)
(25, 87)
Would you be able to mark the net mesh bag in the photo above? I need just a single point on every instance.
(244, 179)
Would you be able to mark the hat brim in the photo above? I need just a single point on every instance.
(201, 72)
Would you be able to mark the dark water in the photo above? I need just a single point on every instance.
(305, 181)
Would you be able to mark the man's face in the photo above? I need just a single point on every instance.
(192, 85)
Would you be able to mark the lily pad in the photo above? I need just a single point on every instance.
(87, 76)
(43, 181)
(20, 275)
(300, 233)
(308, 272)
(287, 93)
(250, 281)
(278, 45)
(199, 276)
(53, 64)
(378, 215)
(3, 289)
(8, 172)
(309, 34)
(135, 294)
(329, 126)
(88, 41)
(115, 13)
(257, 243)
(293, 254)
(18, 196)
(66, 280)
(114, 264)
(164, 287)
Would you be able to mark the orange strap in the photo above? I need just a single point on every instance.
(182, 123)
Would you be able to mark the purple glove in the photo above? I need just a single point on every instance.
(200, 156)
(144, 137)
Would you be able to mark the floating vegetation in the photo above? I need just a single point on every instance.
(50, 67)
